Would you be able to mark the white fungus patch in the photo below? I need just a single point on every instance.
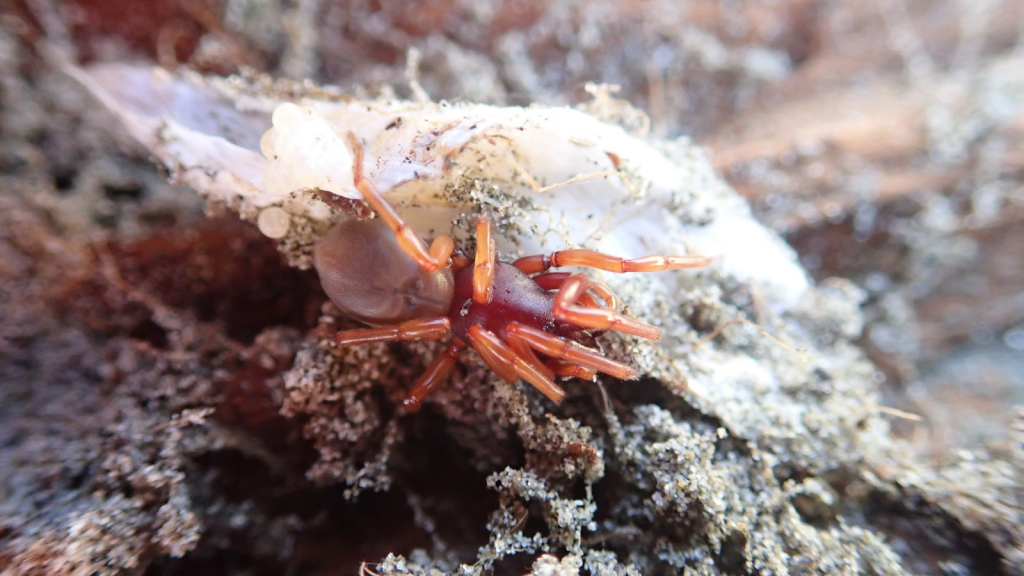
(305, 153)
(253, 149)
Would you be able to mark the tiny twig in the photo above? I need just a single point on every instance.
(900, 414)
(604, 396)
(532, 182)
(582, 177)
(412, 75)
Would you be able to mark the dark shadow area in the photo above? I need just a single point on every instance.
(434, 470)
(929, 541)
(222, 271)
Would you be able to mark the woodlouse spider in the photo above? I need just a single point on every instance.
(381, 273)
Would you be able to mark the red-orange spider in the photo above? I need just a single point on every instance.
(381, 273)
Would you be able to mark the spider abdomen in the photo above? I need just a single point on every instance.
(368, 276)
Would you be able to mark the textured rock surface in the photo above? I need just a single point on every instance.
(168, 402)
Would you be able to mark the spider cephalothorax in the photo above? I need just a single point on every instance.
(381, 273)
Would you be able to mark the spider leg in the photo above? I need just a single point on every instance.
(550, 280)
(569, 351)
(610, 299)
(500, 357)
(600, 261)
(418, 329)
(566, 309)
(436, 373)
(570, 370)
(481, 341)
(440, 249)
(483, 269)
(555, 280)
(526, 353)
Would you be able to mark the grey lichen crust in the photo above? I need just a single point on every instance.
(758, 451)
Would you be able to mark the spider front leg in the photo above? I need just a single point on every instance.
(418, 329)
(441, 248)
(569, 351)
(524, 351)
(500, 358)
(601, 261)
(566, 308)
